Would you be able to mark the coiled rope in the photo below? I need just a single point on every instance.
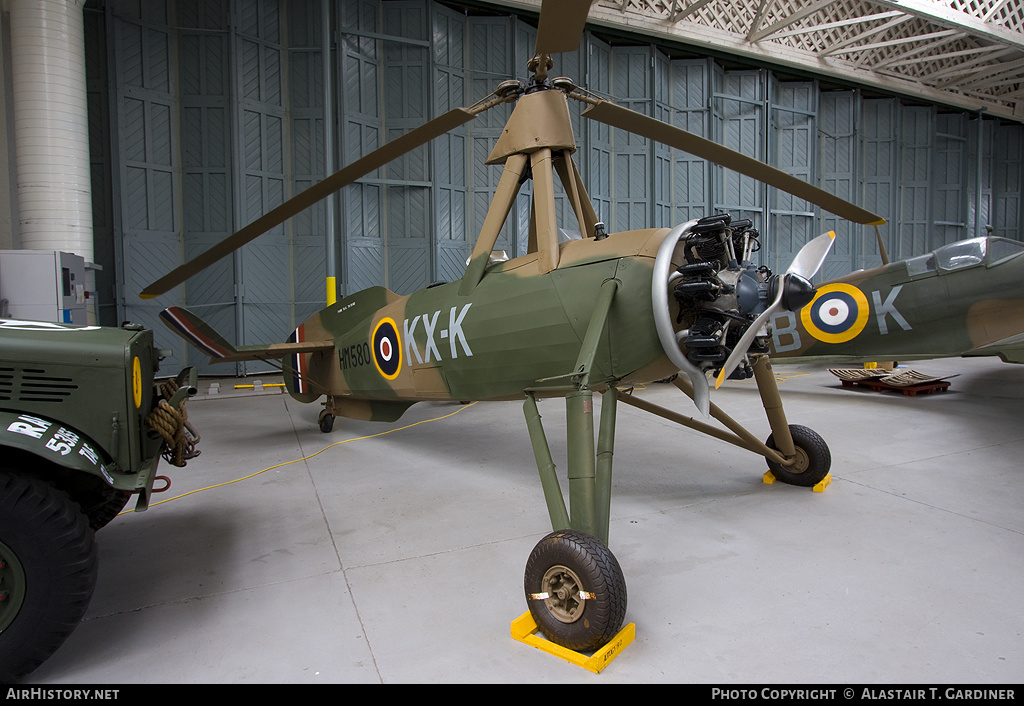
(179, 436)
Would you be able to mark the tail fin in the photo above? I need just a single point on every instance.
(202, 336)
(198, 333)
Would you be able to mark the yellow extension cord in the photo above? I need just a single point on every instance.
(338, 443)
(306, 458)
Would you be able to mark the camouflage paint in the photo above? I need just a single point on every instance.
(513, 330)
(906, 310)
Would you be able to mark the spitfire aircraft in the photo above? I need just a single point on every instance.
(596, 315)
(964, 299)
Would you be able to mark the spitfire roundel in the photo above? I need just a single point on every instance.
(838, 313)
(387, 349)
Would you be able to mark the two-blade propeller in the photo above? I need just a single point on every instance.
(792, 291)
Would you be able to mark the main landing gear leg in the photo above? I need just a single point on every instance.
(795, 454)
(573, 583)
(807, 453)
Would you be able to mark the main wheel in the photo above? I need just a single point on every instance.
(575, 590)
(812, 462)
(47, 572)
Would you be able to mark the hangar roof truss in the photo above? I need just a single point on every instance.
(963, 53)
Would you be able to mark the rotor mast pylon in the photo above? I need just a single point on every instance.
(539, 131)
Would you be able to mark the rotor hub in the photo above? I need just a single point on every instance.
(539, 66)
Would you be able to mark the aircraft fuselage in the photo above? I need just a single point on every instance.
(510, 333)
(962, 297)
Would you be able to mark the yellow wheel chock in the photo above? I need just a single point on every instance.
(768, 478)
(524, 629)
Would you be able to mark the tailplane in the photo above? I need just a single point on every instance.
(201, 335)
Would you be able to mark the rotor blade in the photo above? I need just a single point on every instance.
(610, 114)
(561, 25)
(359, 168)
(811, 256)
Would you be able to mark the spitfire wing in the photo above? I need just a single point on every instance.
(1010, 350)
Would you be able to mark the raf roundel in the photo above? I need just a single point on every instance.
(838, 313)
(387, 349)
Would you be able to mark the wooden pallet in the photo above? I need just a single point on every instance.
(925, 388)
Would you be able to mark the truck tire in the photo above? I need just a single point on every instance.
(101, 513)
(47, 575)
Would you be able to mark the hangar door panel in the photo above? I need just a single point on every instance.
(144, 116)
(631, 161)
(491, 56)
(361, 124)
(792, 144)
(838, 168)
(739, 125)
(305, 156)
(880, 125)
(949, 174)
(595, 142)
(450, 152)
(661, 177)
(260, 148)
(407, 179)
(208, 199)
(1008, 182)
(916, 146)
(691, 89)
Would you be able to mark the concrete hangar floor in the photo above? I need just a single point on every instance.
(399, 558)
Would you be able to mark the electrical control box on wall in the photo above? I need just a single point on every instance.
(43, 285)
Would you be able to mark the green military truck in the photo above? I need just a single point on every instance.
(83, 425)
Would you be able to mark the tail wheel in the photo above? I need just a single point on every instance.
(325, 421)
(47, 572)
(811, 462)
(575, 590)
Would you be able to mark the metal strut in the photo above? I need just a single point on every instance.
(735, 433)
(589, 468)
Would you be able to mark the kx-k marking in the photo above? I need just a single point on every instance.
(453, 333)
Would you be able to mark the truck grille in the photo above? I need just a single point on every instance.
(34, 385)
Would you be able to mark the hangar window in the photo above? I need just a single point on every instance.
(1000, 249)
(964, 254)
